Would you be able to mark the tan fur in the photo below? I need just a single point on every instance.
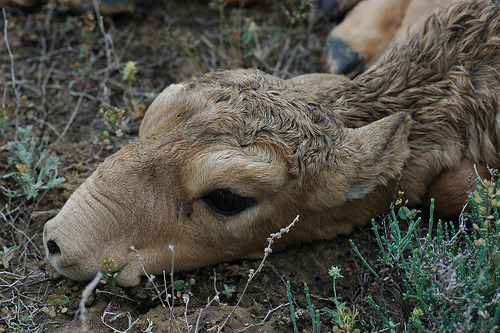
(449, 189)
(370, 27)
(332, 150)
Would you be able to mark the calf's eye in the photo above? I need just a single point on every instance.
(226, 202)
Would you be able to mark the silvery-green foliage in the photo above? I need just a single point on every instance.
(34, 173)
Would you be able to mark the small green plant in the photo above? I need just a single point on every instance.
(128, 74)
(129, 71)
(297, 15)
(20, 330)
(7, 254)
(109, 270)
(250, 40)
(229, 290)
(343, 317)
(183, 288)
(24, 316)
(85, 26)
(27, 176)
(4, 115)
(315, 320)
(451, 277)
(113, 123)
(56, 303)
(291, 306)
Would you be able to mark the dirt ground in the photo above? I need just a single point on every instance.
(62, 68)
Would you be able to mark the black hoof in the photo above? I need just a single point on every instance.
(332, 9)
(342, 59)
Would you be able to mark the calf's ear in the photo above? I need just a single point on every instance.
(381, 152)
(160, 108)
(365, 157)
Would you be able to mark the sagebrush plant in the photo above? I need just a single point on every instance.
(451, 276)
(35, 171)
(7, 254)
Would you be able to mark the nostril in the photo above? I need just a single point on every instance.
(53, 247)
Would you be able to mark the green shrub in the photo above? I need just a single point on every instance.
(31, 176)
(452, 277)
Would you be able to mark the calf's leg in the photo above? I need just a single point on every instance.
(449, 189)
(363, 35)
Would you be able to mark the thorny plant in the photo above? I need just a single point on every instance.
(252, 273)
(452, 277)
(33, 173)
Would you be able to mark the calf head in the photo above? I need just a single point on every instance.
(220, 163)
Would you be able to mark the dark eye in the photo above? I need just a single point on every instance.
(226, 202)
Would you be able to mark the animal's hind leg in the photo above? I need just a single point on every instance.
(363, 35)
(449, 189)
(368, 29)
(416, 13)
